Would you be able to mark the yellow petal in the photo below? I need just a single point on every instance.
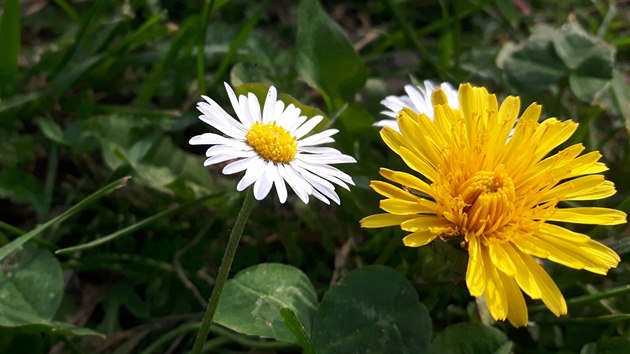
(523, 278)
(419, 238)
(517, 309)
(585, 165)
(589, 215)
(551, 133)
(438, 97)
(496, 298)
(417, 137)
(384, 220)
(561, 232)
(393, 139)
(387, 190)
(405, 207)
(475, 274)
(501, 259)
(407, 180)
(500, 130)
(590, 255)
(550, 294)
(558, 253)
(582, 188)
(424, 222)
(417, 163)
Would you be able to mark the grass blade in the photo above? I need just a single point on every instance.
(297, 329)
(584, 299)
(201, 63)
(15, 244)
(10, 39)
(134, 227)
(237, 43)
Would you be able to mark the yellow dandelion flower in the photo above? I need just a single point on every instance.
(488, 179)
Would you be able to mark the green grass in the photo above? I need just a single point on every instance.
(92, 92)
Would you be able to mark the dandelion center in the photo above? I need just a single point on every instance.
(489, 200)
(272, 142)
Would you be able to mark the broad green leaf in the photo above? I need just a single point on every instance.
(252, 300)
(531, 65)
(621, 93)
(31, 287)
(616, 98)
(243, 73)
(373, 309)
(589, 59)
(469, 338)
(325, 58)
(574, 46)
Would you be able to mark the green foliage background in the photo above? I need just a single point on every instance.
(94, 91)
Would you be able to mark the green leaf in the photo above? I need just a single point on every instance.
(325, 57)
(18, 242)
(532, 65)
(616, 100)
(574, 46)
(290, 319)
(52, 131)
(252, 300)
(608, 346)
(469, 338)
(589, 59)
(10, 39)
(373, 309)
(31, 286)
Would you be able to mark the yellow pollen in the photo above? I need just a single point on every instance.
(489, 198)
(272, 142)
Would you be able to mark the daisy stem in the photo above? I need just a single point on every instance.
(224, 270)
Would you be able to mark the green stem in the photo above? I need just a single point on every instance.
(224, 270)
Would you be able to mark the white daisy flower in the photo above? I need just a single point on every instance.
(271, 147)
(418, 98)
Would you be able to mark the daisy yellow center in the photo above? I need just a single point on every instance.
(272, 142)
(489, 201)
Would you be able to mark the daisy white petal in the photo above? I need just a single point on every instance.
(278, 181)
(262, 186)
(318, 138)
(253, 172)
(270, 103)
(228, 148)
(238, 166)
(254, 107)
(307, 127)
(273, 147)
(238, 109)
(245, 117)
(208, 139)
(418, 99)
(299, 187)
(321, 197)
